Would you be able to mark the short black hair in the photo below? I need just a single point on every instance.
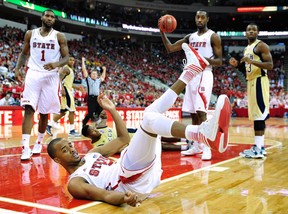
(49, 10)
(203, 10)
(84, 130)
(252, 23)
(50, 147)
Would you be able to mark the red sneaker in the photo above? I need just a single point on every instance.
(195, 61)
(215, 131)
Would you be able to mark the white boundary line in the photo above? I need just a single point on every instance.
(85, 206)
(39, 206)
(9, 211)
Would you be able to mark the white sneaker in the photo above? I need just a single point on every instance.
(195, 61)
(26, 154)
(207, 154)
(37, 148)
(214, 132)
(263, 150)
(55, 125)
(194, 150)
(253, 152)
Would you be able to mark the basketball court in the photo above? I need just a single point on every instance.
(226, 184)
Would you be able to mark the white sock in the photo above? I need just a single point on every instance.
(187, 75)
(26, 140)
(191, 132)
(40, 137)
(71, 127)
(183, 140)
(259, 141)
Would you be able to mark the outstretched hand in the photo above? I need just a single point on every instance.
(104, 102)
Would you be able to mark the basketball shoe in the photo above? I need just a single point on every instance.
(48, 130)
(26, 153)
(73, 133)
(37, 148)
(193, 64)
(206, 154)
(253, 152)
(193, 150)
(214, 132)
(55, 125)
(195, 61)
(197, 148)
(263, 150)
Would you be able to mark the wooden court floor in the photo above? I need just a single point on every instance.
(226, 184)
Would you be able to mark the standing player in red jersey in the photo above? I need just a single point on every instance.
(199, 90)
(47, 50)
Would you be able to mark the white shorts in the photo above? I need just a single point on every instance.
(198, 92)
(144, 180)
(41, 91)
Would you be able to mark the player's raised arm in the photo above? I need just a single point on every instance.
(122, 139)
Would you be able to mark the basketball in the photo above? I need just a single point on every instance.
(167, 23)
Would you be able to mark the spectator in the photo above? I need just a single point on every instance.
(7, 100)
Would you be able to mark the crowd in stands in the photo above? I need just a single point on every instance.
(128, 65)
(115, 15)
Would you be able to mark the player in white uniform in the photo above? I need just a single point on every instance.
(199, 90)
(47, 50)
(138, 170)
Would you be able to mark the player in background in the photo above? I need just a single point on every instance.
(256, 61)
(198, 91)
(66, 75)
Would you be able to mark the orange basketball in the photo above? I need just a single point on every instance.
(167, 23)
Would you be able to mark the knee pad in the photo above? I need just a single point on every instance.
(148, 121)
(156, 123)
(259, 125)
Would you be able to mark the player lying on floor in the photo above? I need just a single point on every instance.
(138, 170)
